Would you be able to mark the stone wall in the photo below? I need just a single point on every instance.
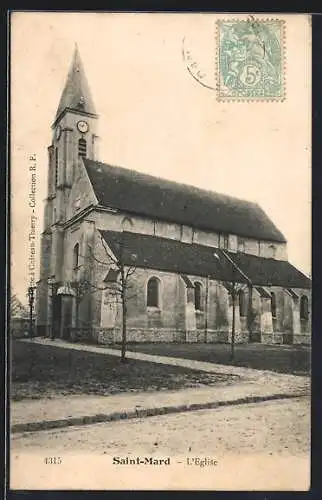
(81, 195)
(302, 339)
(206, 238)
(110, 336)
(137, 335)
(272, 338)
(171, 311)
(216, 336)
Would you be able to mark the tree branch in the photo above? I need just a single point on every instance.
(131, 270)
(117, 289)
(107, 251)
(99, 261)
(96, 259)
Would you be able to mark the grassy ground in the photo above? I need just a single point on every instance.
(279, 358)
(46, 371)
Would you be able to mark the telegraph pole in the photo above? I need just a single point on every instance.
(233, 326)
(123, 299)
(206, 307)
(31, 297)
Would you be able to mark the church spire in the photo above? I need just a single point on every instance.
(76, 94)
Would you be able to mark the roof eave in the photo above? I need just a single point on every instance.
(74, 111)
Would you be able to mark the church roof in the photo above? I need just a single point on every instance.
(143, 194)
(76, 94)
(163, 254)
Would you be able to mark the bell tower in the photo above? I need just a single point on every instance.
(74, 136)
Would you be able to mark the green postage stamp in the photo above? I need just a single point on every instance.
(250, 59)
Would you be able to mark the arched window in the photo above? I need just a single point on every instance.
(82, 147)
(273, 304)
(304, 308)
(198, 305)
(242, 303)
(153, 293)
(127, 224)
(75, 259)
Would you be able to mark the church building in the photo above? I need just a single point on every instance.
(171, 262)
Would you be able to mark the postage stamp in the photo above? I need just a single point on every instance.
(250, 59)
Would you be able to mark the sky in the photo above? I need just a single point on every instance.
(156, 118)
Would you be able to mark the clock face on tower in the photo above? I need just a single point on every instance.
(82, 126)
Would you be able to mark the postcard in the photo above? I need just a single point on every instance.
(160, 309)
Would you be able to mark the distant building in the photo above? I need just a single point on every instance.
(187, 246)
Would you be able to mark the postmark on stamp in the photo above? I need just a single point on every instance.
(250, 59)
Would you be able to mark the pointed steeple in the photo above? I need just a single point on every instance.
(76, 94)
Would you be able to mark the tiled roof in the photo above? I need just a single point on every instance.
(160, 199)
(111, 276)
(163, 254)
(272, 272)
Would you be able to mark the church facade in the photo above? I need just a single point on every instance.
(172, 262)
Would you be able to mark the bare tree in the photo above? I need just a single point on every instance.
(234, 286)
(119, 287)
(17, 309)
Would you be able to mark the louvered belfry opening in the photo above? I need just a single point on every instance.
(82, 148)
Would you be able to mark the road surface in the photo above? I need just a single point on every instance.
(275, 427)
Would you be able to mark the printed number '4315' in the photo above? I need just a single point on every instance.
(53, 460)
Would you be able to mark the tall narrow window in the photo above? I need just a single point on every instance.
(75, 260)
(198, 305)
(241, 244)
(273, 304)
(223, 241)
(153, 293)
(82, 147)
(56, 167)
(242, 303)
(272, 251)
(304, 308)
